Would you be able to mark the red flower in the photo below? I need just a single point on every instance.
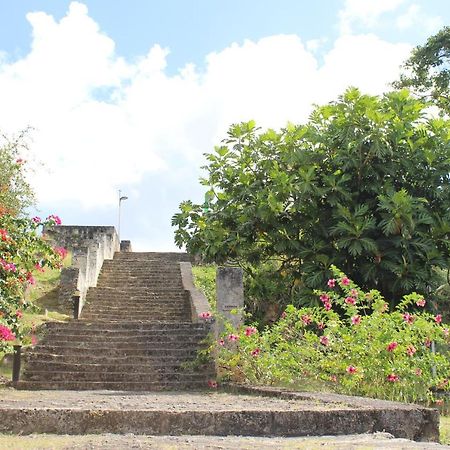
(327, 306)
(212, 384)
(421, 302)
(250, 330)
(331, 283)
(351, 369)
(205, 315)
(4, 234)
(350, 301)
(392, 346)
(255, 352)
(408, 318)
(61, 251)
(356, 320)
(6, 334)
(306, 319)
(438, 318)
(392, 378)
(233, 337)
(324, 298)
(36, 219)
(345, 281)
(19, 314)
(54, 220)
(427, 342)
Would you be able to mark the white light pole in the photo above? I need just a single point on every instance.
(121, 198)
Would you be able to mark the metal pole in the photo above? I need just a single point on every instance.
(120, 201)
(16, 363)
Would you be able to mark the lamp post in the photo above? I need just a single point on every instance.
(121, 198)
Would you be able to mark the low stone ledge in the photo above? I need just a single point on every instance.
(402, 420)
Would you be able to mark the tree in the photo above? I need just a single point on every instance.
(427, 71)
(364, 185)
(15, 192)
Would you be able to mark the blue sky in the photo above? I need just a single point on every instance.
(130, 94)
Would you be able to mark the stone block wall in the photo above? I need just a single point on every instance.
(90, 246)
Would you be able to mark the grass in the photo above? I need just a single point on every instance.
(205, 280)
(445, 430)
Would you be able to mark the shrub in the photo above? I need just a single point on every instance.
(352, 343)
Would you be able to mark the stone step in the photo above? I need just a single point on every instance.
(130, 337)
(137, 291)
(130, 310)
(174, 359)
(144, 305)
(87, 326)
(181, 332)
(175, 351)
(147, 386)
(116, 377)
(208, 413)
(50, 366)
(154, 316)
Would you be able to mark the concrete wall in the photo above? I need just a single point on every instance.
(90, 246)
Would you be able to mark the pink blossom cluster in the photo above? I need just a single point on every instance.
(61, 251)
(408, 318)
(306, 319)
(6, 334)
(212, 384)
(54, 219)
(205, 315)
(392, 378)
(255, 353)
(325, 299)
(324, 340)
(391, 346)
(8, 267)
(4, 234)
(36, 219)
(250, 330)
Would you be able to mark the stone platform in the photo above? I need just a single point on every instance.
(264, 413)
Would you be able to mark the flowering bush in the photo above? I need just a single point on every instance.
(22, 251)
(351, 342)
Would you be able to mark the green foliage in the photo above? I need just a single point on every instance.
(351, 343)
(205, 280)
(427, 71)
(364, 185)
(15, 192)
(23, 251)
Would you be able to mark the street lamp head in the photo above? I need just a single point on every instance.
(123, 198)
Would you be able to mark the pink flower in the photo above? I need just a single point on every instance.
(8, 267)
(306, 319)
(324, 340)
(438, 318)
(320, 325)
(61, 251)
(31, 279)
(212, 384)
(392, 346)
(20, 161)
(421, 302)
(54, 220)
(3, 234)
(411, 350)
(39, 268)
(283, 315)
(446, 332)
(418, 372)
(354, 292)
(392, 378)
(324, 298)
(6, 334)
(36, 219)
(345, 281)
(221, 342)
(327, 306)
(34, 340)
(351, 369)
(255, 353)
(233, 337)
(427, 342)
(205, 315)
(331, 283)
(250, 330)
(350, 301)
(333, 378)
(408, 318)
(356, 320)
(19, 314)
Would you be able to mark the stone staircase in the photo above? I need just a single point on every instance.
(134, 333)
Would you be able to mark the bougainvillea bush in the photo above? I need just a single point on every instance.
(23, 251)
(352, 343)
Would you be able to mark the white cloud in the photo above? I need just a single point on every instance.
(415, 16)
(102, 122)
(365, 13)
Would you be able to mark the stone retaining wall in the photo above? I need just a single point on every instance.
(90, 246)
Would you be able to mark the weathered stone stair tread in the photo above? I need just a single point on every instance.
(207, 413)
(86, 325)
